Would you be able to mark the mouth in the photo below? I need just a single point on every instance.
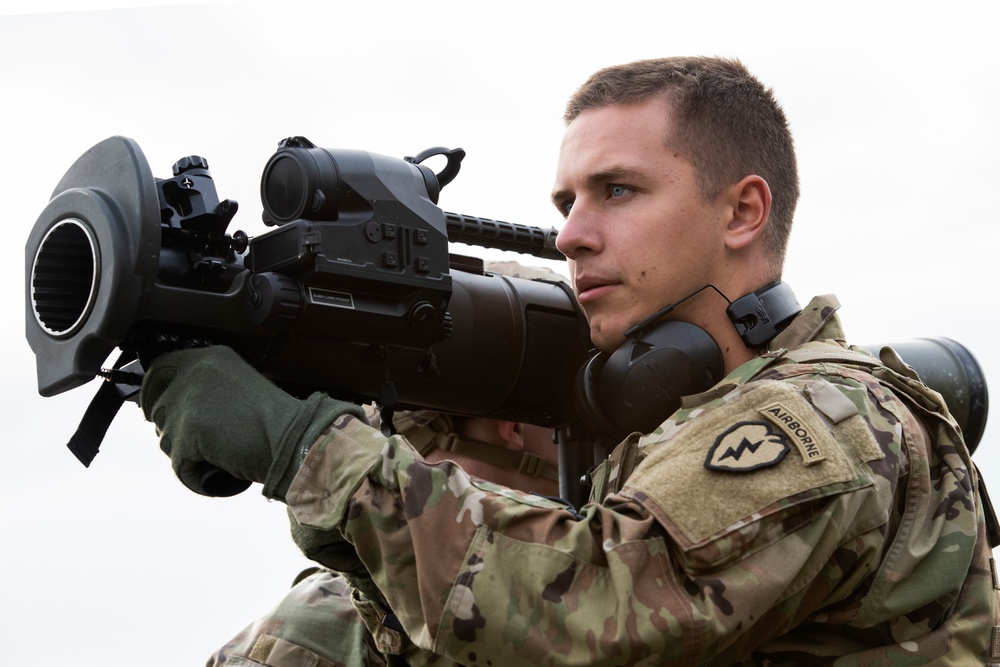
(590, 288)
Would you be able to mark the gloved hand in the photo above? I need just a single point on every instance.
(211, 408)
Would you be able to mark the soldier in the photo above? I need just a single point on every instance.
(322, 621)
(814, 504)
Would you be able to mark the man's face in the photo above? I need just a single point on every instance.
(638, 233)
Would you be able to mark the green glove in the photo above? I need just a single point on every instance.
(211, 408)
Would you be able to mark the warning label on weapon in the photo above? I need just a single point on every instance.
(324, 297)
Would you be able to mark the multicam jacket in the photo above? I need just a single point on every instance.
(815, 507)
(314, 625)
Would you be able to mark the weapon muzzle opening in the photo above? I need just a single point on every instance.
(64, 277)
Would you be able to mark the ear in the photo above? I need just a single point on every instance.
(751, 210)
(511, 433)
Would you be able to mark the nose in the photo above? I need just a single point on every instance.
(579, 235)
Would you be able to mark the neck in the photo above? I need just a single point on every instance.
(749, 320)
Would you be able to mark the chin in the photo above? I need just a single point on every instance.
(606, 341)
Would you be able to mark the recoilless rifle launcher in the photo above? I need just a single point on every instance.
(353, 292)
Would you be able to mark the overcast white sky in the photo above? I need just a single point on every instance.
(894, 109)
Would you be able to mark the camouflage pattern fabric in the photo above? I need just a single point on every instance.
(801, 512)
(324, 621)
(315, 625)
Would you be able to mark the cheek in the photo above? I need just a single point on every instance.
(649, 278)
(652, 285)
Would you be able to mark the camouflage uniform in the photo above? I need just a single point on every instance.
(316, 624)
(323, 621)
(804, 511)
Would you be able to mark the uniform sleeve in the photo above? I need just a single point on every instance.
(729, 532)
(314, 624)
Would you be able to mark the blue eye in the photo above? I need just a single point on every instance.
(619, 190)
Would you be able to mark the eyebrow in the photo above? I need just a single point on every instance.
(609, 175)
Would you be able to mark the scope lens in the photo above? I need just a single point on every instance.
(284, 188)
(64, 278)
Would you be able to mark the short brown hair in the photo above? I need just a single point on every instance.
(725, 122)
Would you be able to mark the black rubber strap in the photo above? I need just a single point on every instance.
(86, 442)
(89, 435)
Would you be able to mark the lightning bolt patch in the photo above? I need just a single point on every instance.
(747, 446)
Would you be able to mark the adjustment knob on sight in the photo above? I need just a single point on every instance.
(188, 163)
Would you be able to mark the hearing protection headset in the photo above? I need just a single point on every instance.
(641, 383)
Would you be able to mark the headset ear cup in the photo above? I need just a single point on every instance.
(589, 405)
(642, 382)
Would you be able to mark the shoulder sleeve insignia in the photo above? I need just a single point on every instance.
(746, 446)
(743, 458)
